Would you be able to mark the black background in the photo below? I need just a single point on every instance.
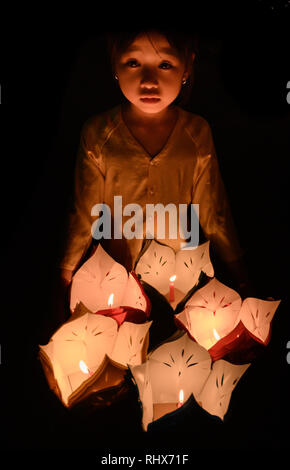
(54, 75)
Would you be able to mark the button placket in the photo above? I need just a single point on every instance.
(151, 189)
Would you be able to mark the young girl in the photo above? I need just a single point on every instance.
(149, 150)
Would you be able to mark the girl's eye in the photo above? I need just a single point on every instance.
(165, 65)
(132, 63)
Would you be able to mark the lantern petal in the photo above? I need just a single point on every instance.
(96, 279)
(156, 265)
(189, 264)
(216, 393)
(101, 335)
(142, 380)
(175, 365)
(130, 343)
(214, 296)
(257, 314)
(183, 320)
(134, 295)
(68, 344)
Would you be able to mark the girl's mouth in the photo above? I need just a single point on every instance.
(150, 100)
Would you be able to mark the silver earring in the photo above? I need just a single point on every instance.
(116, 77)
(184, 80)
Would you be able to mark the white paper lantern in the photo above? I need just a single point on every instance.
(216, 317)
(158, 263)
(171, 374)
(88, 338)
(181, 368)
(100, 277)
(102, 341)
(211, 313)
(81, 350)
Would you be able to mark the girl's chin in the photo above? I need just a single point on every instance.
(151, 108)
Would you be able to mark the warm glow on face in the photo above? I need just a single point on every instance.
(181, 396)
(172, 278)
(111, 300)
(216, 335)
(84, 368)
(150, 67)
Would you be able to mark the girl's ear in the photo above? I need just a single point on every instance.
(188, 69)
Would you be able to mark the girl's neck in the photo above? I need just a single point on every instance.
(134, 116)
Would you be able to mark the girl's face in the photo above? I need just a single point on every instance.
(150, 73)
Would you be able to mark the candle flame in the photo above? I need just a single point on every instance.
(181, 396)
(111, 300)
(84, 368)
(216, 335)
(172, 278)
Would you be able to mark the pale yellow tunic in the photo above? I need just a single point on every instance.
(111, 162)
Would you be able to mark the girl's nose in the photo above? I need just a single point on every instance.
(149, 78)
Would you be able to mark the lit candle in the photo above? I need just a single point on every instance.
(84, 368)
(216, 335)
(171, 288)
(111, 300)
(181, 399)
(118, 313)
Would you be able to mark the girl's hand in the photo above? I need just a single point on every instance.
(66, 276)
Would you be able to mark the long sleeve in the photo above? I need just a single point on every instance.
(88, 191)
(214, 210)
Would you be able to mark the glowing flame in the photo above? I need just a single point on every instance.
(111, 300)
(84, 368)
(181, 396)
(216, 335)
(172, 278)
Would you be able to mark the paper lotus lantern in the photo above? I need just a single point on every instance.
(91, 350)
(107, 332)
(102, 284)
(178, 370)
(169, 376)
(218, 320)
(173, 273)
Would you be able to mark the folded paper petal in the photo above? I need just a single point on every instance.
(190, 263)
(141, 378)
(156, 266)
(96, 280)
(179, 364)
(217, 391)
(131, 343)
(257, 315)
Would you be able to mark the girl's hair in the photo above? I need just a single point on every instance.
(186, 43)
